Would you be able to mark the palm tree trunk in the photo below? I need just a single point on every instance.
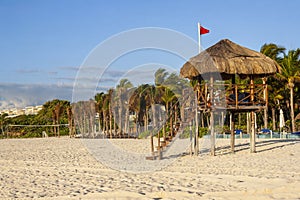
(54, 122)
(99, 124)
(154, 127)
(266, 106)
(292, 108)
(176, 117)
(107, 126)
(115, 125)
(153, 116)
(120, 119)
(110, 123)
(126, 121)
(58, 131)
(273, 119)
(104, 122)
(146, 122)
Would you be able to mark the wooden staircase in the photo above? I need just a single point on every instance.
(179, 127)
(164, 144)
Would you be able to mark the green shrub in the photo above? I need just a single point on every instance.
(144, 135)
(186, 132)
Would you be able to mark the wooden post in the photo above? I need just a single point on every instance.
(248, 123)
(164, 133)
(212, 134)
(273, 118)
(253, 131)
(222, 118)
(266, 100)
(196, 125)
(232, 135)
(158, 145)
(212, 124)
(236, 96)
(205, 95)
(191, 139)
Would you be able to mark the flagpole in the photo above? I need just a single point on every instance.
(196, 143)
(199, 38)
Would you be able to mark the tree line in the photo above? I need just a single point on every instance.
(126, 109)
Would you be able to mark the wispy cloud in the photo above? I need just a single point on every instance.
(21, 95)
(69, 68)
(28, 71)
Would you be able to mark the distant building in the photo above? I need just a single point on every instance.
(29, 110)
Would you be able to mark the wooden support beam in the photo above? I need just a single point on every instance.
(266, 105)
(253, 134)
(212, 134)
(158, 145)
(253, 131)
(191, 137)
(212, 121)
(196, 147)
(232, 134)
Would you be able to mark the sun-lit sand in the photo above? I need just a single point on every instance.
(62, 168)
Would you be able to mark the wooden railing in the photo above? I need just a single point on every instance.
(232, 96)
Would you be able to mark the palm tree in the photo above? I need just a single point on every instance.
(58, 110)
(276, 93)
(138, 103)
(276, 53)
(290, 73)
(110, 113)
(122, 89)
(168, 97)
(105, 113)
(3, 121)
(70, 121)
(99, 98)
(54, 122)
(273, 51)
(160, 76)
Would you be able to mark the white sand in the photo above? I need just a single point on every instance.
(53, 168)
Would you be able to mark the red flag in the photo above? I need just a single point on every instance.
(203, 30)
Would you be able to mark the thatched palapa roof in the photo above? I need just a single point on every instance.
(228, 58)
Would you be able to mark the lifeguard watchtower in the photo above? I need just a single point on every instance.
(224, 61)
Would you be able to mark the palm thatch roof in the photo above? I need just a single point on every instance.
(227, 58)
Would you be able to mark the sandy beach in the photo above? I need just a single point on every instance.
(63, 168)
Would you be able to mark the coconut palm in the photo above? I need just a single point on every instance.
(168, 97)
(105, 113)
(122, 93)
(70, 121)
(110, 110)
(290, 74)
(160, 76)
(276, 53)
(99, 98)
(3, 121)
(58, 111)
(273, 51)
(276, 94)
(138, 104)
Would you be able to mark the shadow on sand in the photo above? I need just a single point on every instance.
(246, 146)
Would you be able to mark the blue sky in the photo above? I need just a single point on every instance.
(44, 42)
